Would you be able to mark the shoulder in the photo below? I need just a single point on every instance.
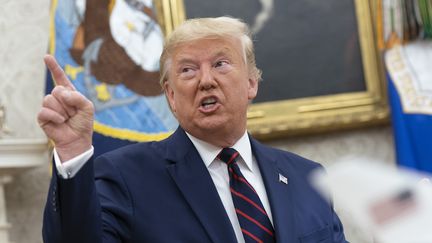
(129, 151)
(149, 155)
(298, 161)
(289, 160)
(130, 156)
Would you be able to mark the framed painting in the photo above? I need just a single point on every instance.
(321, 67)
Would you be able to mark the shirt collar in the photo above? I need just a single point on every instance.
(208, 152)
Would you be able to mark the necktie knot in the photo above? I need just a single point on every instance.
(228, 155)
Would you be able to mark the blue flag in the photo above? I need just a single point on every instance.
(410, 93)
(110, 51)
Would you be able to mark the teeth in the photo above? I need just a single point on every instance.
(209, 101)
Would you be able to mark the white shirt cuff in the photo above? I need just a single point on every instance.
(70, 168)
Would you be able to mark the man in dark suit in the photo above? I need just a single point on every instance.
(208, 182)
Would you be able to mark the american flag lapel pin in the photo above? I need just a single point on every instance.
(283, 179)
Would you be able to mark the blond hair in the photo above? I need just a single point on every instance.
(203, 28)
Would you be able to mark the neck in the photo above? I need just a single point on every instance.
(219, 139)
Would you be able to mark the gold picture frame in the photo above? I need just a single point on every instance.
(330, 112)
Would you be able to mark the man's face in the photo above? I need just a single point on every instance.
(209, 88)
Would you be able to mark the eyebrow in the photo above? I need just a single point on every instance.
(187, 59)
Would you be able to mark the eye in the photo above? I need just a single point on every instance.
(186, 69)
(187, 72)
(221, 63)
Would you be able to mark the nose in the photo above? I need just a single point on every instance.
(207, 80)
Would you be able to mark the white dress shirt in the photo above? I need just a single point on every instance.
(218, 171)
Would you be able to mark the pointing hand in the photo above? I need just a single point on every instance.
(66, 115)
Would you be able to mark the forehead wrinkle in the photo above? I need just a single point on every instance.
(184, 60)
(224, 52)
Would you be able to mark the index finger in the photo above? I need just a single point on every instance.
(57, 72)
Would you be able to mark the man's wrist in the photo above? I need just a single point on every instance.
(68, 169)
(70, 151)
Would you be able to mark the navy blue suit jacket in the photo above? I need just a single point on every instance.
(162, 192)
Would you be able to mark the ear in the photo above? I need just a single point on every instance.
(253, 88)
(169, 94)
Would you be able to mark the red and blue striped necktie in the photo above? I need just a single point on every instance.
(253, 219)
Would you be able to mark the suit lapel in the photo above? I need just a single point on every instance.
(279, 194)
(194, 181)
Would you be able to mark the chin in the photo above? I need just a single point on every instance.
(210, 125)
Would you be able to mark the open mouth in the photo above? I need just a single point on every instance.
(208, 102)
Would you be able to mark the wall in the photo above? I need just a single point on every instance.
(24, 31)
(23, 42)
(24, 36)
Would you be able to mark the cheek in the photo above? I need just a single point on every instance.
(182, 96)
(182, 100)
